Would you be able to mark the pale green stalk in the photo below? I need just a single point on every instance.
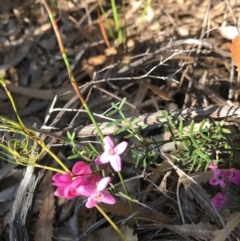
(111, 33)
(111, 222)
(126, 192)
(144, 11)
(69, 69)
(116, 21)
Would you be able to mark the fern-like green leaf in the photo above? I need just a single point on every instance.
(124, 128)
(122, 103)
(115, 122)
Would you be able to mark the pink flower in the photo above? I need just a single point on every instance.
(67, 185)
(62, 180)
(112, 153)
(219, 200)
(212, 166)
(233, 175)
(218, 178)
(97, 193)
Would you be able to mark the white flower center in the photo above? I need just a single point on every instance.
(98, 197)
(110, 152)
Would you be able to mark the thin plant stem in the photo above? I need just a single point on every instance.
(116, 21)
(69, 69)
(126, 192)
(111, 222)
(3, 83)
(111, 33)
(50, 168)
(21, 128)
(105, 37)
(55, 157)
(144, 13)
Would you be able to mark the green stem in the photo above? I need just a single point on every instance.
(50, 168)
(111, 222)
(54, 157)
(69, 69)
(126, 192)
(2, 81)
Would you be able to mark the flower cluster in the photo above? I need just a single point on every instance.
(222, 178)
(83, 182)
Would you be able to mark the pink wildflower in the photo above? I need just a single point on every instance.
(67, 186)
(233, 175)
(97, 193)
(212, 166)
(63, 183)
(112, 153)
(218, 176)
(219, 200)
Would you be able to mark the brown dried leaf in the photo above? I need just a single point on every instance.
(4, 222)
(109, 234)
(9, 193)
(122, 209)
(97, 60)
(235, 49)
(157, 91)
(17, 55)
(200, 231)
(6, 169)
(46, 215)
(203, 199)
(189, 206)
(163, 184)
(232, 222)
(200, 177)
(83, 218)
(197, 191)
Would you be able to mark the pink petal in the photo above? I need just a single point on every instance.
(235, 180)
(233, 175)
(121, 147)
(108, 143)
(69, 192)
(104, 158)
(219, 200)
(64, 192)
(91, 202)
(81, 168)
(217, 171)
(79, 191)
(212, 166)
(222, 183)
(214, 181)
(61, 180)
(103, 183)
(78, 182)
(87, 190)
(108, 198)
(116, 163)
(93, 180)
(97, 161)
(59, 192)
(233, 172)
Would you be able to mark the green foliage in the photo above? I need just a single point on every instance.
(147, 4)
(86, 152)
(199, 143)
(118, 13)
(124, 123)
(111, 33)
